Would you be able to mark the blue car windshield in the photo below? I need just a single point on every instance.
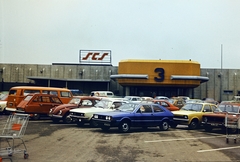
(130, 107)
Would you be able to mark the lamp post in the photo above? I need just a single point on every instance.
(221, 73)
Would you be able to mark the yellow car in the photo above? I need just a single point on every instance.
(191, 114)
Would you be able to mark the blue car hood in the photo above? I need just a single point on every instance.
(114, 113)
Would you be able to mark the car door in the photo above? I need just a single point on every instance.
(158, 114)
(144, 118)
(46, 103)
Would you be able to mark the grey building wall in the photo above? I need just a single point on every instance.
(223, 84)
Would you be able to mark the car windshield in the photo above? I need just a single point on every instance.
(192, 107)
(75, 101)
(229, 108)
(3, 96)
(129, 107)
(105, 104)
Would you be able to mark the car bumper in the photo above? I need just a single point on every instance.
(181, 121)
(80, 118)
(217, 125)
(55, 116)
(10, 109)
(111, 123)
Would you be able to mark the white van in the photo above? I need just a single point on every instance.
(102, 94)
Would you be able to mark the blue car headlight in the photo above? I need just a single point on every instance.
(95, 116)
(108, 117)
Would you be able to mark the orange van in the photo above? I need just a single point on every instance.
(18, 93)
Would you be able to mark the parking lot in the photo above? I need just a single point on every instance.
(50, 142)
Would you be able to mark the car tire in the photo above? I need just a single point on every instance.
(67, 119)
(36, 116)
(105, 128)
(124, 126)
(80, 124)
(193, 124)
(164, 125)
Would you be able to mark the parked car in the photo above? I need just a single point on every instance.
(210, 100)
(217, 118)
(38, 105)
(61, 112)
(136, 99)
(194, 101)
(191, 114)
(161, 98)
(3, 102)
(135, 115)
(146, 99)
(185, 98)
(178, 102)
(102, 94)
(166, 104)
(84, 115)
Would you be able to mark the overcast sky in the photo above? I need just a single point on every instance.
(53, 31)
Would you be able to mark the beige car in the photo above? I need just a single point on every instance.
(84, 115)
(3, 102)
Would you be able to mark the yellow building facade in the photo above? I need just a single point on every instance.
(161, 77)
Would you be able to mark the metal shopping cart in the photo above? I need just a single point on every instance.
(232, 125)
(14, 129)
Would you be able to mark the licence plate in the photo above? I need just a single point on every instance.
(106, 124)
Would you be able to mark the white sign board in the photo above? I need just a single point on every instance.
(95, 57)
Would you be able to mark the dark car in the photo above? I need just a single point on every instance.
(135, 115)
(61, 112)
(38, 105)
(217, 118)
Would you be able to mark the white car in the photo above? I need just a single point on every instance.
(84, 115)
(161, 98)
(135, 99)
(3, 102)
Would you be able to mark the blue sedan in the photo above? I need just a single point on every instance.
(135, 115)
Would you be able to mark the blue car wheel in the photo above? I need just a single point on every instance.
(164, 125)
(124, 126)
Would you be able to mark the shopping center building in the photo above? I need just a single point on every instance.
(131, 77)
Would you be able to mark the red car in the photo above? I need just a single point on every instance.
(218, 117)
(166, 104)
(61, 112)
(38, 105)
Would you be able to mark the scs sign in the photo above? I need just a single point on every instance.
(95, 57)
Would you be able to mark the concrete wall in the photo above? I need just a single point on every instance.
(220, 80)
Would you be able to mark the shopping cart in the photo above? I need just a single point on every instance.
(232, 125)
(14, 129)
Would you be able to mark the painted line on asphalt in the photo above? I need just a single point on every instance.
(182, 139)
(223, 148)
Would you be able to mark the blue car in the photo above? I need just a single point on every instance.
(135, 115)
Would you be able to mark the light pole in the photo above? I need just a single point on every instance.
(221, 73)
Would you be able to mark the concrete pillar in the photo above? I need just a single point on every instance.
(127, 91)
